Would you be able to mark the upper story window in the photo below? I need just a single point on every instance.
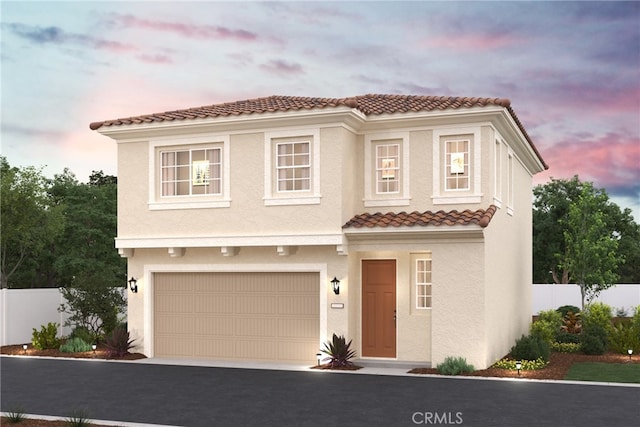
(387, 168)
(386, 175)
(191, 172)
(510, 183)
(292, 167)
(456, 166)
(497, 173)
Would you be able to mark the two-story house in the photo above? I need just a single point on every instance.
(236, 218)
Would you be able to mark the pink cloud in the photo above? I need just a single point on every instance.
(155, 59)
(186, 30)
(469, 42)
(278, 66)
(611, 161)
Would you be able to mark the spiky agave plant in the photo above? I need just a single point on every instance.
(339, 352)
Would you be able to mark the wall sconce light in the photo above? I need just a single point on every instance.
(335, 283)
(518, 366)
(630, 352)
(133, 285)
(24, 348)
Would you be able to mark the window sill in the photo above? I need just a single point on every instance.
(450, 200)
(160, 206)
(284, 201)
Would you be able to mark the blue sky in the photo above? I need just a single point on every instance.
(570, 69)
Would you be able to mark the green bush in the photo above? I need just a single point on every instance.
(530, 347)
(46, 338)
(547, 325)
(75, 345)
(454, 366)
(526, 365)
(84, 334)
(635, 322)
(565, 337)
(563, 310)
(566, 347)
(623, 337)
(594, 340)
(597, 315)
(15, 415)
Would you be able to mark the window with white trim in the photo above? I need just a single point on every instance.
(457, 164)
(387, 168)
(293, 166)
(423, 283)
(191, 172)
(497, 173)
(510, 183)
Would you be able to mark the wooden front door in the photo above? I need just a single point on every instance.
(379, 308)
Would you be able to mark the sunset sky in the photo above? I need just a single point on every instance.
(571, 70)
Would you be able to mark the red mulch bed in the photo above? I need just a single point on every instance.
(100, 353)
(559, 364)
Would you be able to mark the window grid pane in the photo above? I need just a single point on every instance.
(423, 283)
(191, 172)
(457, 165)
(293, 166)
(387, 168)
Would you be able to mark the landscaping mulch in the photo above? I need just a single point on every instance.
(559, 364)
(100, 353)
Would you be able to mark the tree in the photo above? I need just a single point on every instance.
(30, 222)
(591, 255)
(550, 211)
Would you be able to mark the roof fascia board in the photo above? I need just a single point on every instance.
(235, 241)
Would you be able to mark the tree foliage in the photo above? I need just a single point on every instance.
(552, 204)
(30, 221)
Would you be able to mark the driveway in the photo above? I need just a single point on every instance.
(207, 396)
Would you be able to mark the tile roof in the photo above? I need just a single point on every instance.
(480, 217)
(371, 104)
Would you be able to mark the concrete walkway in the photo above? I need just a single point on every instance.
(194, 393)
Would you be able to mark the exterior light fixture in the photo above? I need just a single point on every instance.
(518, 366)
(133, 285)
(318, 357)
(93, 346)
(630, 352)
(335, 283)
(24, 348)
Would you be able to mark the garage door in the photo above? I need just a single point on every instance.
(239, 316)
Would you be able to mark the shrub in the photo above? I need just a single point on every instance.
(563, 310)
(597, 315)
(339, 352)
(78, 419)
(119, 343)
(635, 322)
(15, 415)
(594, 340)
(454, 366)
(530, 347)
(84, 334)
(75, 345)
(46, 338)
(621, 312)
(526, 365)
(566, 337)
(547, 325)
(623, 337)
(571, 323)
(566, 347)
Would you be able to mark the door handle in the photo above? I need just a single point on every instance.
(395, 316)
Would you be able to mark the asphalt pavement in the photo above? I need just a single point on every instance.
(179, 395)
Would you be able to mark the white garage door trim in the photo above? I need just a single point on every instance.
(149, 271)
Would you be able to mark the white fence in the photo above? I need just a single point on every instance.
(25, 309)
(548, 297)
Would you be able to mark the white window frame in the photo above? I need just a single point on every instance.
(390, 171)
(442, 196)
(510, 181)
(402, 197)
(293, 167)
(191, 177)
(422, 286)
(200, 201)
(273, 197)
(497, 172)
(457, 164)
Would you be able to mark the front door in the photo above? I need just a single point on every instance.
(379, 308)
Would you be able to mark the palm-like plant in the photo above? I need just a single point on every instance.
(338, 351)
